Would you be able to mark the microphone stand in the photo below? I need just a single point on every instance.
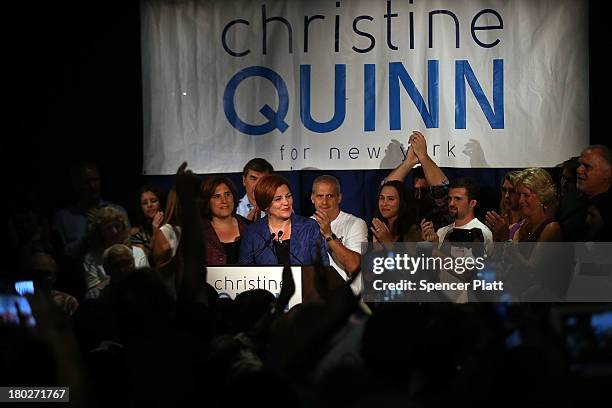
(255, 254)
(291, 254)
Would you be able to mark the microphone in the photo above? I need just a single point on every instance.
(280, 234)
(266, 244)
(255, 254)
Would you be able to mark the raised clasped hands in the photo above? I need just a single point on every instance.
(418, 146)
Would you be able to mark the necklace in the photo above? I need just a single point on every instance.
(284, 229)
(528, 231)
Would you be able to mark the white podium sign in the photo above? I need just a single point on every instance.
(230, 280)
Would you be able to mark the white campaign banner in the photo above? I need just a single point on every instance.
(341, 84)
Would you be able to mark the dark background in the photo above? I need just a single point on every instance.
(73, 91)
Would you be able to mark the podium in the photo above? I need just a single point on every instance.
(230, 280)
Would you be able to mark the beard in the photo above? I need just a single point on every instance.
(456, 214)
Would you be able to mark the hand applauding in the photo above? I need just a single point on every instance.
(427, 231)
(324, 223)
(498, 225)
(381, 231)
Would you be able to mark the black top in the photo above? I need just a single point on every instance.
(232, 251)
(283, 251)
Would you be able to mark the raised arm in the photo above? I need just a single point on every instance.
(194, 272)
(417, 153)
(404, 168)
(433, 174)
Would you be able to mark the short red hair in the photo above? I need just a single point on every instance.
(266, 188)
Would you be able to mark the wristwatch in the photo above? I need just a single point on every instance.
(330, 238)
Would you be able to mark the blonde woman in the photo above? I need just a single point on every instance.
(109, 226)
(536, 268)
(537, 196)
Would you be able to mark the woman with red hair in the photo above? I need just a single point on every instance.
(280, 237)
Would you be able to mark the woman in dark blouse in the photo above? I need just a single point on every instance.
(221, 226)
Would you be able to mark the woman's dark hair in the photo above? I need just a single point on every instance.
(141, 220)
(208, 189)
(408, 214)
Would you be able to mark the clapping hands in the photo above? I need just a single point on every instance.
(427, 231)
(324, 222)
(498, 225)
(381, 231)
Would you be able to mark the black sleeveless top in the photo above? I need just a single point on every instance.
(533, 238)
(283, 251)
(232, 251)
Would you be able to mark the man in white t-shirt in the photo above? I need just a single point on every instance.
(254, 170)
(343, 232)
(462, 199)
